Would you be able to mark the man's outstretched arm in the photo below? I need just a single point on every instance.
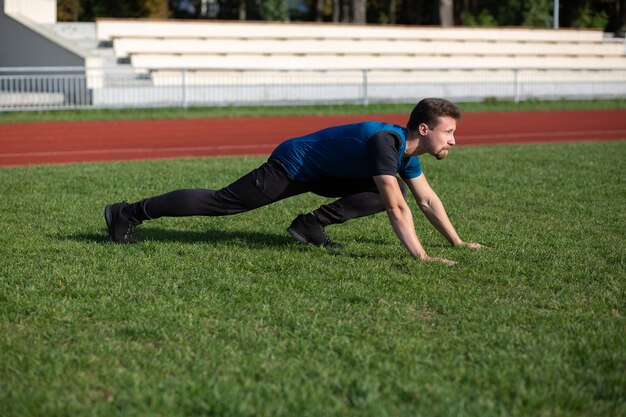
(432, 207)
(401, 218)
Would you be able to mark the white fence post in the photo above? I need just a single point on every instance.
(517, 85)
(365, 93)
(184, 87)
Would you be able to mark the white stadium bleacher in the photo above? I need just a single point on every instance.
(401, 60)
(150, 44)
(110, 29)
(129, 46)
(347, 61)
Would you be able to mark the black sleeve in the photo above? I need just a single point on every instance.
(382, 149)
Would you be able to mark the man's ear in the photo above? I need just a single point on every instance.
(423, 129)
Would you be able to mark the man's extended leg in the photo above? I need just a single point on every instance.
(359, 198)
(264, 185)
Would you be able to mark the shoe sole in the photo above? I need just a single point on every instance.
(300, 238)
(108, 217)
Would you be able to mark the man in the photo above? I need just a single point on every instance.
(357, 163)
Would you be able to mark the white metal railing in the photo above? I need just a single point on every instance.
(72, 87)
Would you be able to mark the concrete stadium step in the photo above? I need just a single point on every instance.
(110, 29)
(261, 61)
(125, 47)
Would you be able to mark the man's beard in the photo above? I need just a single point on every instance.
(441, 154)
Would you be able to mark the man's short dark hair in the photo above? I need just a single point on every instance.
(429, 110)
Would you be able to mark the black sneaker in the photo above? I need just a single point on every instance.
(120, 226)
(307, 229)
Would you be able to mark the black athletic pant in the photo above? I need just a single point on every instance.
(267, 184)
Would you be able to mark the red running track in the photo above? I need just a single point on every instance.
(67, 142)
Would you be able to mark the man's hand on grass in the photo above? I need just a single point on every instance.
(445, 261)
(440, 260)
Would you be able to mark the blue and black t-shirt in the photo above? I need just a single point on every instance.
(358, 150)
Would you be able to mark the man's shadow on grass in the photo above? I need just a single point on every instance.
(208, 236)
(244, 238)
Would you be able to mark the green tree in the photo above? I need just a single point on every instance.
(274, 10)
(508, 12)
(589, 18)
(537, 13)
(383, 11)
(484, 18)
(130, 8)
(607, 14)
(157, 9)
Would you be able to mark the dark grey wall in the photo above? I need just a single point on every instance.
(22, 47)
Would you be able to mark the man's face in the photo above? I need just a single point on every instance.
(439, 139)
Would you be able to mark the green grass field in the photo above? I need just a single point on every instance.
(321, 110)
(230, 317)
